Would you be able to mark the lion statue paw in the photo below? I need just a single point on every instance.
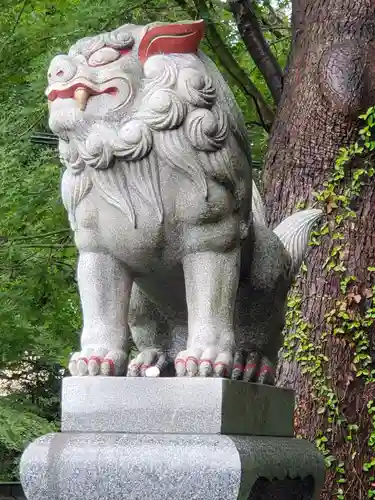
(97, 360)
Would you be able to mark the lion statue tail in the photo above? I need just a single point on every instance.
(294, 231)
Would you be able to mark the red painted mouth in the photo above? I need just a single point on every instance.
(68, 93)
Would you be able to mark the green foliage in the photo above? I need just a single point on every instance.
(352, 317)
(276, 29)
(19, 426)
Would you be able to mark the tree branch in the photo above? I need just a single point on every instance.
(18, 19)
(280, 40)
(184, 5)
(272, 11)
(239, 77)
(266, 25)
(221, 5)
(251, 33)
(233, 69)
(34, 123)
(47, 245)
(7, 239)
(275, 30)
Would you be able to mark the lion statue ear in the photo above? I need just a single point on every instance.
(177, 38)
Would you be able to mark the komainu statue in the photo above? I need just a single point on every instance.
(173, 245)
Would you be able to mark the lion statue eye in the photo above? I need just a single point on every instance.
(103, 56)
(62, 69)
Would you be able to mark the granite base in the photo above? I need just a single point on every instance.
(114, 466)
(172, 439)
(175, 406)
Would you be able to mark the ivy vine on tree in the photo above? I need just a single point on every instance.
(350, 319)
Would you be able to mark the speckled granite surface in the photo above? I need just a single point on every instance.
(172, 439)
(175, 405)
(165, 467)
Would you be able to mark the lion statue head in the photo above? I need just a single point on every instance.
(124, 101)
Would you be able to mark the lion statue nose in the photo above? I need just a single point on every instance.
(62, 69)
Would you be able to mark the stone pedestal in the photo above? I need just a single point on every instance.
(172, 439)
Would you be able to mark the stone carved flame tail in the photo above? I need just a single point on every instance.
(294, 233)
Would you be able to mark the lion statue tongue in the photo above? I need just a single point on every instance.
(159, 194)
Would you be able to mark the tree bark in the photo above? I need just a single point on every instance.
(330, 80)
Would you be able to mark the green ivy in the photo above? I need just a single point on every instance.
(344, 321)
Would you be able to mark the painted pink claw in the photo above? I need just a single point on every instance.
(97, 361)
(209, 362)
(253, 367)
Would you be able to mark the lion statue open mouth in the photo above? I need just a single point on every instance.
(173, 245)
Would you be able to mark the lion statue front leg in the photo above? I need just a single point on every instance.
(206, 339)
(104, 287)
(211, 282)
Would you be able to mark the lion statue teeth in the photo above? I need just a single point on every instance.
(173, 245)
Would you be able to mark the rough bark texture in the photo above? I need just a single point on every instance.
(330, 79)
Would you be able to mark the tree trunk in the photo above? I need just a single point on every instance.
(330, 80)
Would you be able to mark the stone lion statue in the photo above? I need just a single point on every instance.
(173, 245)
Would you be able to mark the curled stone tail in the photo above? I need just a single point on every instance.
(294, 233)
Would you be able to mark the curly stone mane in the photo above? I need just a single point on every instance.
(183, 117)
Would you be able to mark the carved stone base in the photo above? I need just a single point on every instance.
(172, 439)
(170, 467)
